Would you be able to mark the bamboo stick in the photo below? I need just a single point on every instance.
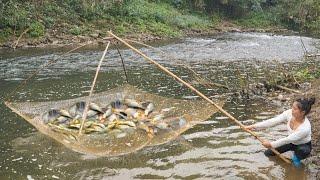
(16, 44)
(123, 65)
(288, 89)
(312, 55)
(84, 116)
(199, 93)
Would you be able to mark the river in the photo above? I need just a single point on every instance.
(214, 149)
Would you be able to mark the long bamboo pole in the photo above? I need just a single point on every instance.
(199, 93)
(84, 116)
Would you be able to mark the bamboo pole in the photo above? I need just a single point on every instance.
(84, 116)
(199, 93)
(123, 66)
(312, 55)
(288, 89)
(16, 44)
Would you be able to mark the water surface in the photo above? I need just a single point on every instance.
(214, 149)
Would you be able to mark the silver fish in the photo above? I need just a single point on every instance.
(132, 113)
(95, 107)
(128, 123)
(112, 118)
(117, 104)
(62, 119)
(133, 103)
(79, 107)
(162, 125)
(149, 109)
(158, 117)
(107, 113)
(50, 116)
(65, 113)
(182, 122)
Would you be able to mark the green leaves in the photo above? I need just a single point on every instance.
(36, 29)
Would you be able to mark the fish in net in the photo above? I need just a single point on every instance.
(116, 123)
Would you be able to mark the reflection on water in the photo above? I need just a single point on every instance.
(213, 149)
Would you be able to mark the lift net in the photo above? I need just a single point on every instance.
(177, 116)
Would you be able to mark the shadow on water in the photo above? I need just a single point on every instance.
(215, 148)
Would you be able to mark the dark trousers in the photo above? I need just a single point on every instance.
(302, 151)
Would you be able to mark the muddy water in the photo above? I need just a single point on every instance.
(214, 149)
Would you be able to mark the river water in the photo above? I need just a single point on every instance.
(214, 149)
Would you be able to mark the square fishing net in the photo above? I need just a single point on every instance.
(102, 135)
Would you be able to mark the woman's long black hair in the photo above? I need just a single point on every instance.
(305, 104)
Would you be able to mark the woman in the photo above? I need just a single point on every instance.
(299, 139)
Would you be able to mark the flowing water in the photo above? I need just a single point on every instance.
(214, 149)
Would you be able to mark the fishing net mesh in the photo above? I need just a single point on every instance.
(106, 144)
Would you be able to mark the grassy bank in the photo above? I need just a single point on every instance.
(59, 18)
(77, 17)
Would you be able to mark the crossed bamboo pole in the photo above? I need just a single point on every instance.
(85, 113)
(199, 93)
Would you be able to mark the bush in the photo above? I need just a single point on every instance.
(36, 29)
(161, 29)
(5, 33)
(191, 21)
(76, 30)
(13, 16)
(259, 20)
(215, 19)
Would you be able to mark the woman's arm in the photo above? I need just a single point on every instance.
(273, 121)
(294, 137)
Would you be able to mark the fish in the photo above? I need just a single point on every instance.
(78, 125)
(128, 123)
(117, 104)
(149, 109)
(95, 107)
(131, 112)
(78, 109)
(158, 117)
(182, 122)
(65, 113)
(167, 109)
(143, 126)
(96, 127)
(112, 118)
(56, 115)
(107, 113)
(50, 116)
(75, 121)
(112, 125)
(162, 125)
(133, 103)
(62, 120)
(121, 115)
(122, 126)
(99, 124)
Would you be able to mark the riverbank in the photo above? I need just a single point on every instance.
(55, 39)
(55, 23)
(311, 90)
(313, 162)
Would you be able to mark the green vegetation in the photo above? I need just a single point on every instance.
(169, 18)
(308, 73)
